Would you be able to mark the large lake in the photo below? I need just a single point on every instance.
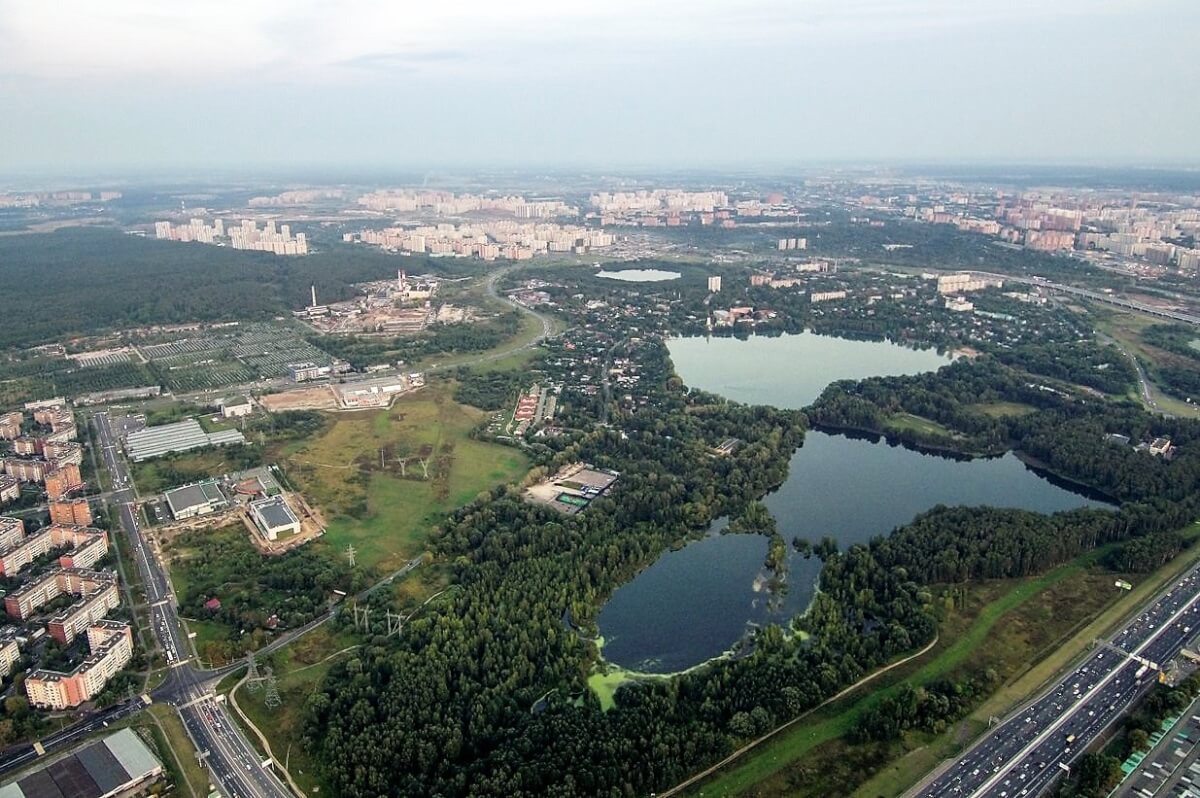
(790, 370)
(696, 603)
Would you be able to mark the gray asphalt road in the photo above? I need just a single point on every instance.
(233, 764)
(1036, 744)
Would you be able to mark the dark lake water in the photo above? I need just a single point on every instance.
(790, 370)
(695, 603)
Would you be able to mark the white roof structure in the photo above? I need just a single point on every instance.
(178, 437)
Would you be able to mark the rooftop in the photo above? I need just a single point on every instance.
(177, 437)
(104, 768)
(199, 494)
(274, 512)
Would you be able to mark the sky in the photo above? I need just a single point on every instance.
(124, 84)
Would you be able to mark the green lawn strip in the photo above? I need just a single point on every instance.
(841, 716)
(176, 746)
(911, 767)
(1003, 409)
(908, 421)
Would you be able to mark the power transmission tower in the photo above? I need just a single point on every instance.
(395, 622)
(253, 679)
(361, 617)
(350, 555)
(272, 698)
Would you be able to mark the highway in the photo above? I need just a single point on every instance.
(1032, 747)
(233, 764)
(1100, 296)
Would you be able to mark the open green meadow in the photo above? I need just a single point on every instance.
(385, 478)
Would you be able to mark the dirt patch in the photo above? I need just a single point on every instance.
(316, 398)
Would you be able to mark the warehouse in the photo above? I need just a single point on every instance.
(178, 437)
(199, 498)
(274, 517)
(109, 767)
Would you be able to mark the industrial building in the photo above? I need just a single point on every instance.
(180, 436)
(116, 765)
(111, 644)
(274, 517)
(236, 407)
(199, 498)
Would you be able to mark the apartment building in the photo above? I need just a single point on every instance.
(74, 620)
(10, 489)
(26, 470)
(10, 653)
(62, 480)
(87, 544)
(21, 603)
(10, 425)
(76, 512)
(62, 453)
(111, 643)
(12, 532)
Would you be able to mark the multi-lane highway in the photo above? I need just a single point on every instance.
(233, 764)
(1038, 742)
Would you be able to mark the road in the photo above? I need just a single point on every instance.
(233, 764)
(1143, 380)
(1029, 750)
(1100, 296)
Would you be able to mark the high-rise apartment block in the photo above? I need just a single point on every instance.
(111, 644)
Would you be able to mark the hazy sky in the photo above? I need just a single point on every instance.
(607, 83)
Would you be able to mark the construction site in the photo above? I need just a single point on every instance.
(386, 307)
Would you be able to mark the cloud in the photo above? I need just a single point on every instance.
(400, 60)
(304, 41)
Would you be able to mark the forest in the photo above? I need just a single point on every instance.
(118, 280)
(447, 709)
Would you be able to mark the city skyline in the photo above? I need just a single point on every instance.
(619, 85)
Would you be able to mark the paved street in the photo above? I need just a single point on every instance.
(1030, 749)
(233, 764)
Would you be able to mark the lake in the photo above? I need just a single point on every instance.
(790, 371)
(640, 275)
(693, 604)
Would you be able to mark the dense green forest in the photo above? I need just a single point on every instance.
(121, 280)
(447, 708)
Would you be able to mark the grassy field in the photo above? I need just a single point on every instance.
(1003, 409)
(365, 473)
(901, 422)
(155, 476)
(1126, 329)
(299, 669)
(1025, 630)
(185, 767)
